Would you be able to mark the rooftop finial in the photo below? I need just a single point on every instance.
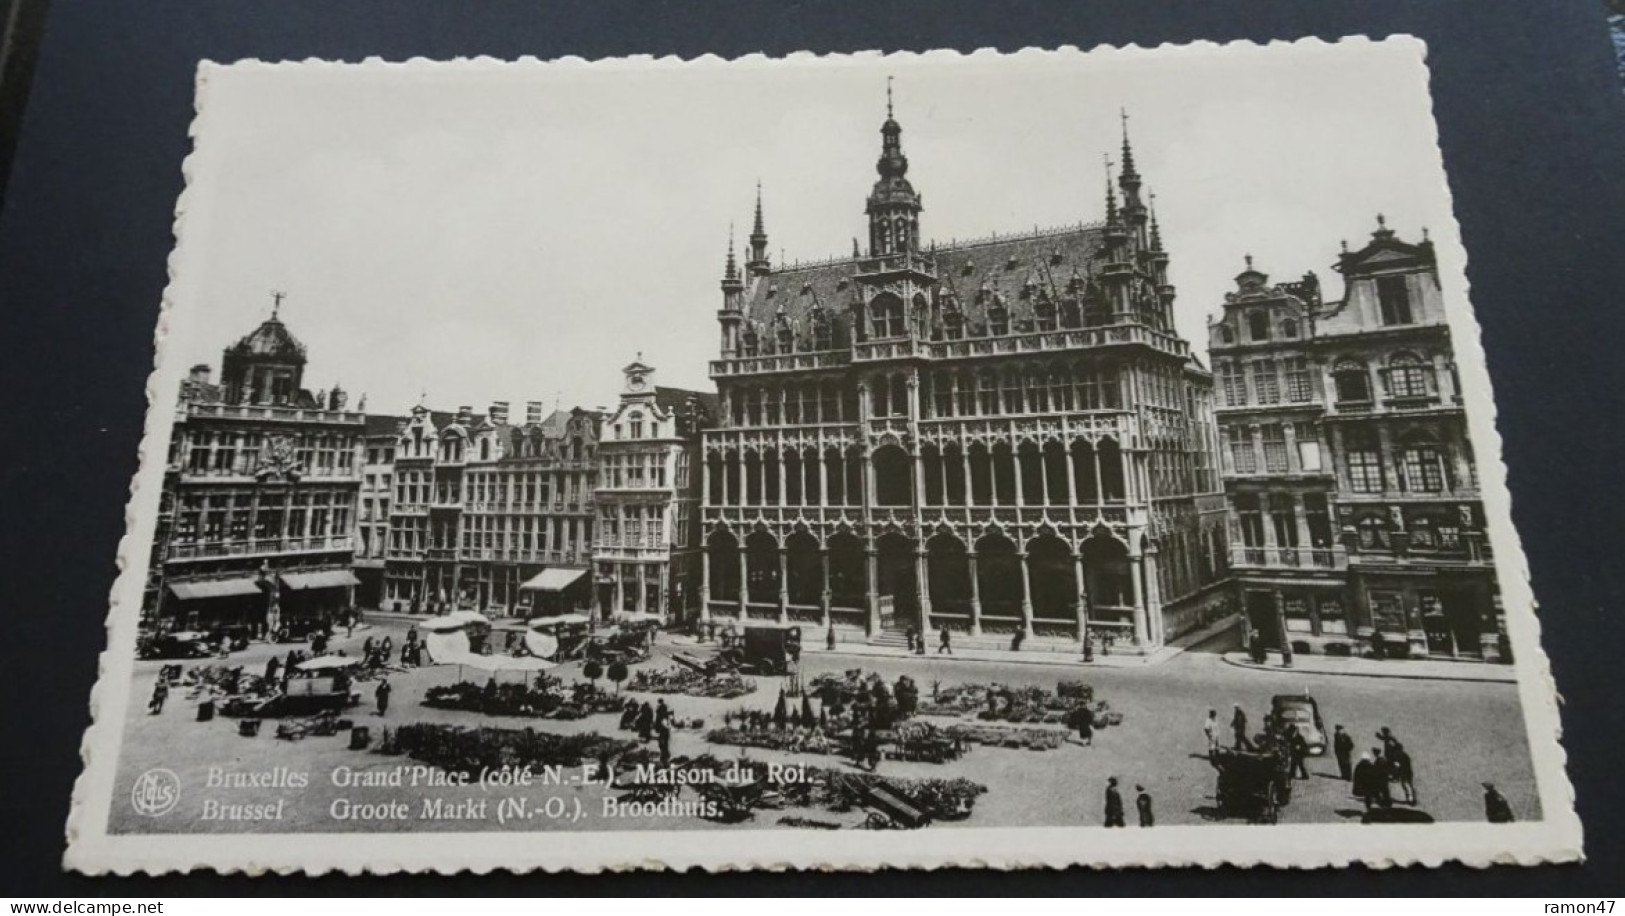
(731, 272)
(1128, 149)
(1156, 231)
(1249, 259)
(277, 296)
(1111, 193)
(888, 98)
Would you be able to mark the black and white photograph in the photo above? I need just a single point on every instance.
(823, 461)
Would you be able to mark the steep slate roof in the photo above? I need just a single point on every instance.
(676, 399)
(1003, 266)
(379, 424)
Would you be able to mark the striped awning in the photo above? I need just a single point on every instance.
(214, 588)
(556, 579)
(327, 578)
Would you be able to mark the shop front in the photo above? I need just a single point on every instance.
(557, 590)
(1440, 614)
(201, 604)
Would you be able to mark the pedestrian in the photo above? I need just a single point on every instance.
(662, 714)
(288, 666)
(1361, 781)
(318, 643)
(366, 647)
(1343, 749)
(1142, 804)
(1114, 804)
(349, 624)
(382, 696)
(945, 642)
(1399, 760)
(1298, 747)
(646, 722)
(160, 693)
(1381, 774)
(386, 648)
(1086, 726)
(271, 668)
(1238, 725)
(1210, 729)
(1255, 644)
(1496, 808)
(663, 736)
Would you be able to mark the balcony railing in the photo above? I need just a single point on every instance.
(1333, 558)
(1068, 339)
(257, 546)
(779, 362)
(276, 414)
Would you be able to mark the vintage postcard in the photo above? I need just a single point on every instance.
(991, 460)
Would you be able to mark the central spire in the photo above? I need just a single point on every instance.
(758, 263)
(894, 207)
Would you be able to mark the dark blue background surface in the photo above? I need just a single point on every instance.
(1533, 127)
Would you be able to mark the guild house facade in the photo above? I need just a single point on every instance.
(257, 515)
(646, 555)
(1004, 437)
(1357, 525)
(492, 515)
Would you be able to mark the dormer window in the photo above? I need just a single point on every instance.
(1394, 299)
(635, 424)
(998, 321)
(1258, 325)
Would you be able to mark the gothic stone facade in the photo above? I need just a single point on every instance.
(648, 498)
(999, 437)
(257, 514)
(1353, 492)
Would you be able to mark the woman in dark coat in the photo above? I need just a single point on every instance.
(1086, 726)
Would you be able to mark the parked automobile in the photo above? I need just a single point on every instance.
(180, 644)
(1301, 712)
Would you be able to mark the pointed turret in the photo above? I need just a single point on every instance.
(758, 265)
(1134, 211)
(894, 207)
(733, 295)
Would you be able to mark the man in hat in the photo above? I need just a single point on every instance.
(1238, 725)
(382, 696)
(1142, 804)
(1496, 808)
(1114, 804)
(1343, 749)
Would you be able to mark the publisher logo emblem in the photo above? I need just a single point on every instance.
(156, 792)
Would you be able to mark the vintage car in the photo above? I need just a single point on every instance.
(1300, 711)
(182, 644)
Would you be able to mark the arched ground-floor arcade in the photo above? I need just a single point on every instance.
(994, 585)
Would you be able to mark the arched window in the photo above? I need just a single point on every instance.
(1226, 336)
(1289, 328)
(1258, 325)
(886, 317)
(1407, 376)
(1352, 381)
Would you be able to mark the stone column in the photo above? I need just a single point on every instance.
(873, 585)
(1151, 562)
(1136, 575)
(823, 577)
(1026, 595)
(784, 585)
(823, 478)
(1021, 485)
(922, 579)
(1082, 610)
(643, 589)
(964, 466)
(705, 584)
(744, 581)
(620, 588)
(1280, 623)
(975, 596)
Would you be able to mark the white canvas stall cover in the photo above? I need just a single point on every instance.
(447, 648)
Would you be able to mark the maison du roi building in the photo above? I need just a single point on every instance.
(1002, 436)
(575, 510)
(256, 519)
(1354, 505)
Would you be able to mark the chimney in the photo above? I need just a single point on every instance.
(200, 373)
(499, 413)
(533, 413)
(465, 414)
(338, 398)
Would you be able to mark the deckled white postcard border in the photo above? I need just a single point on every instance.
(1555, 838)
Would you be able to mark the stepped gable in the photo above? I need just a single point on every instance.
(1012, 269)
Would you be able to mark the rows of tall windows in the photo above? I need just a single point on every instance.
(238, 453)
